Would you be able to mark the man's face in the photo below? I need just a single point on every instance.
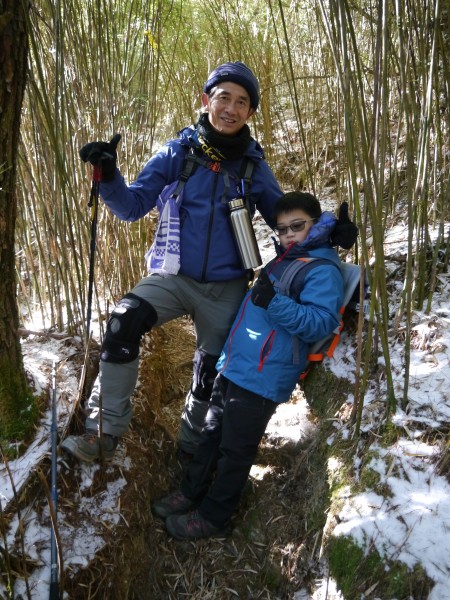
(228, 107)
(297, 219)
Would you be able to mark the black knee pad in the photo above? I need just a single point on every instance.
(203, 375)
(130, 319)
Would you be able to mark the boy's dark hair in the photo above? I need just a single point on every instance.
(298, 200)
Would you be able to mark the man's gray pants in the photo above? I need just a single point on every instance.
(212, 307)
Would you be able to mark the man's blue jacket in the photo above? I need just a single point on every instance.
(208, 250)
(258, 354)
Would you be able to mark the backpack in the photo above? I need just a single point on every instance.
(351, 275)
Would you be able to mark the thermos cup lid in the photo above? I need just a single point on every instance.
(236, 203)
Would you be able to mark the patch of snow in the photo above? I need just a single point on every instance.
(411, 524)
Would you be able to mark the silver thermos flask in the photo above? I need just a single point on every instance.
(244, 234)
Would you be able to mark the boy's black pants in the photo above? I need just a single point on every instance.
(234, 425)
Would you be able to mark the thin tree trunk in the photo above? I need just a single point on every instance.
(14, 393)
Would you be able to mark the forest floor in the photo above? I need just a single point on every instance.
(389, 493)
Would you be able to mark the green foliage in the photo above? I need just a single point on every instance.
(324, 391)
(273, 577)
(390, 434)
(356, 572)
(19, 406)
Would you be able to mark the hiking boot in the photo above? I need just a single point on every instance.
(174, 504)
(192, 526)
(87, 447)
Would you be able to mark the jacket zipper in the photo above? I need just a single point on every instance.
(279, 258)
(266, 349)
(211, 217)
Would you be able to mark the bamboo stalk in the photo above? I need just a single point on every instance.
(343, 92)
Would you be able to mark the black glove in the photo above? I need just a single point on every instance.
(104, 155)
(345, 232)
(262, 291)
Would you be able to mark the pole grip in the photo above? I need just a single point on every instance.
(97, 173)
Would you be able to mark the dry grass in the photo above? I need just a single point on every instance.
(272, 549)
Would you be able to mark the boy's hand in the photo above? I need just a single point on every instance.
(262, 291)
(345, 232)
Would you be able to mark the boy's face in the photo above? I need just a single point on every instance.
(298, 219)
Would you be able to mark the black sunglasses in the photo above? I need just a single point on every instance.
(295, 226)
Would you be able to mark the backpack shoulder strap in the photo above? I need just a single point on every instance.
(245, 175)
(191, 160)
(297, 270)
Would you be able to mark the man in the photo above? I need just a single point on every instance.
(211, 281)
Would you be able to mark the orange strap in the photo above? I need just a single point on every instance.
(333, 345)
(319, 356)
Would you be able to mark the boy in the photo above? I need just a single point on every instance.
(261, 361)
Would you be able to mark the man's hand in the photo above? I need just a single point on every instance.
(103, 154)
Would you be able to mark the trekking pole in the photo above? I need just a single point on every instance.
(87, 153)
(54, 574)
(93, 204)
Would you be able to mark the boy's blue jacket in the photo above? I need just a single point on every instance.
(258, 354)
(208, 249)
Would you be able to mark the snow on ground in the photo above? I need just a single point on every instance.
(412, 525)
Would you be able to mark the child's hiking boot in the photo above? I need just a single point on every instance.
(174, 504)
(90, 447)
(192, 526)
